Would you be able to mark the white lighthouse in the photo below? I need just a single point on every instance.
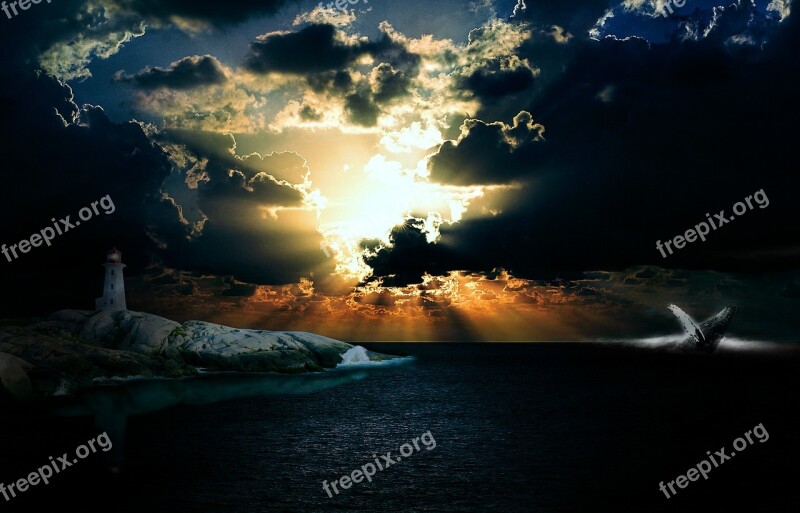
(114, 288)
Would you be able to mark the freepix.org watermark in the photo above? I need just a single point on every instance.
(24, 5)
(704, 467)
(46, 235)
(340, 4)
(704, 228)
(55, 466)
(368, 470)
(668, 6)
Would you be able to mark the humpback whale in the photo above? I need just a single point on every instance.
(707, 335)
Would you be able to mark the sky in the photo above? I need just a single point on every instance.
(407, 171)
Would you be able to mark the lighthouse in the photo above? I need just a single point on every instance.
(114, 288)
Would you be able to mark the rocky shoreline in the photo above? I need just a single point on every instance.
(71, 349)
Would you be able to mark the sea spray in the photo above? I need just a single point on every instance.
(354, 356)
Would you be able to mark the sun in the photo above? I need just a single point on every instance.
(384, 195)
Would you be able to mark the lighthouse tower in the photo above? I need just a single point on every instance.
(114, 288)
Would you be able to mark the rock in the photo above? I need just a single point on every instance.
(55, 358)
(328, 351)
(74, 317)
(224, 348)
(14, 377)
(130, 331)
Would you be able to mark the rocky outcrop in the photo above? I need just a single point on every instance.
(14, 377)
(56, 360)
(129, 331)
(72, 348)
(250, 347)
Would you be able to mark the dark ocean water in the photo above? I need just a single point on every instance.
(518, 428)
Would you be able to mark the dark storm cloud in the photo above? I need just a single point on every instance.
(313, 49)
(409, 258)
(218, 197)
(219, 150)
(361, 110)
(641, 142)
(366, 99)
(490, 153)
(494, 80)
(334, 81)
(254, 249)
(256, 228)
(187, 73)
(318, 48)
(386, 49)
(390, 83)
(320, 53)
(287, 166)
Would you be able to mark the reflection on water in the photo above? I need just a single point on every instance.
(112, 404)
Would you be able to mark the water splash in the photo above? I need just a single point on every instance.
(354, 356)
(63, 388)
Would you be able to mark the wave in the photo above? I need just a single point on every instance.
(728, 344)
(358, 356)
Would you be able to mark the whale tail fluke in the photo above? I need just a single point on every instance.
(691, 328)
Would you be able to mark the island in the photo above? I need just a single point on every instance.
(74, 349)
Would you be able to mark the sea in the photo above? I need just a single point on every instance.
(525, 427)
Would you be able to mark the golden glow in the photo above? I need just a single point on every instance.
(458, 306)
(364, 180)
(383, 195)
